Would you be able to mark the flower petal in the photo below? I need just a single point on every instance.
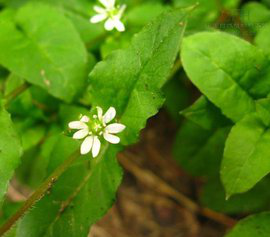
(106, 3)
(115, 128)
(109, 115)
(77, 125)
(111, 3)
(111, 138)
(96, 147)
(98, 18)
(121, 11)
(109, 24)
(99, 112)
(87, 145)
(85, 119)
(99, 10)
(80, 134)
(119, 25)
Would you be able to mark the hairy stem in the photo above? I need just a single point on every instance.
(12, 95)
(39, 193)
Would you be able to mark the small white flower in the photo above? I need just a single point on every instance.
(111, 14)
(91, 129)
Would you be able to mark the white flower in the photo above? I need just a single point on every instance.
(111, 14)
(92, 129)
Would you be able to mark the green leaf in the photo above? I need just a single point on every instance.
(177, 97)
(266, 2)
(32, 136)
(262, 39)
(10, 151)
(206, 13)
(3, 73)
(229, 71)
(257, 199)
(131, 79)
(205, 114)
(79, 12)
(263, 110)
(230, 4)
(255, 15)
(255, 225)
(246, 156)
(8, 209)
(38, 170)
(143, 13)
(69, 113)
(23, 104)
(115, 42)
(54, 55)
(199, 151)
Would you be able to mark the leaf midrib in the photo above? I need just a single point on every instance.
(138, 75)
(239, 173)
(77, 190)
(217, 66)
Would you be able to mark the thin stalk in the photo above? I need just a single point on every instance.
(16, 92)
(39, 193)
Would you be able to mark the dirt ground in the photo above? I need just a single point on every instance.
(157, 198)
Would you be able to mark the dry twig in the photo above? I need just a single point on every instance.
(153, 181)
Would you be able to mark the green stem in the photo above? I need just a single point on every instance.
(13, 94)
(39, 193)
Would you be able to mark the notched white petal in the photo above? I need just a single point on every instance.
(121, 11)
(84, 119)
(115, 128)
(111, 138)
(98, 18)
(80, 134)
(109, 24)
(111, 3)
(105, 3)
(99, 10)
(109, 115)
(99, 113)
(87, 145)
(96, 147)
(77, 125)
(119, 25)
